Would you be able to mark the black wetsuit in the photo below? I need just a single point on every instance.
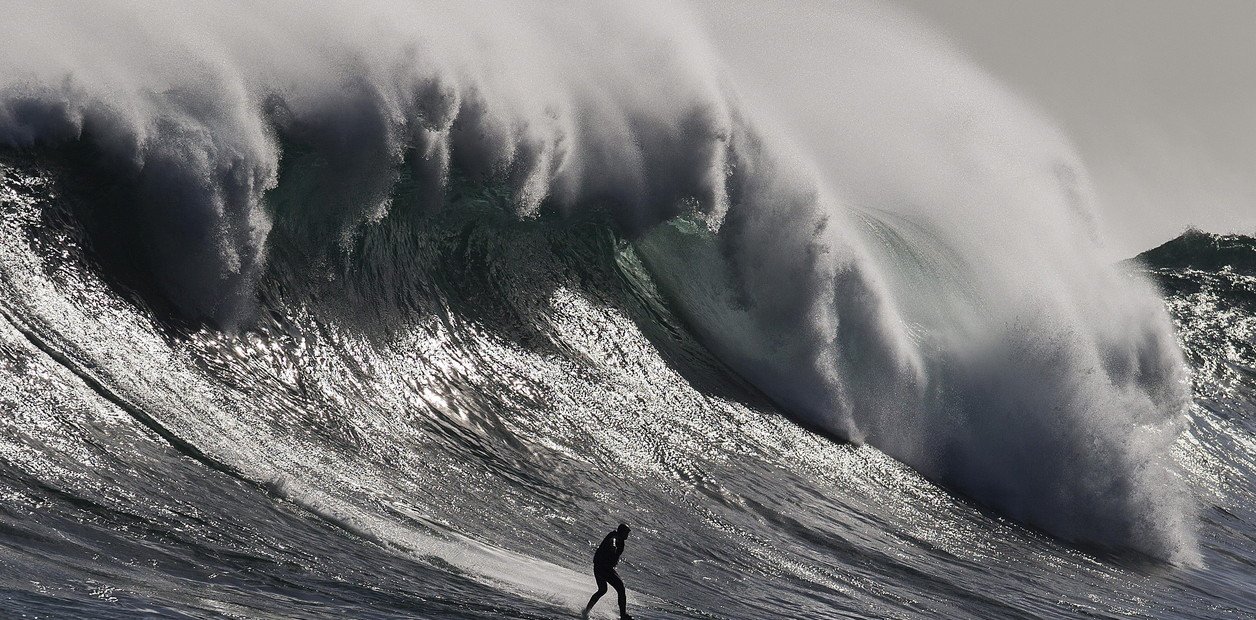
(604, 561)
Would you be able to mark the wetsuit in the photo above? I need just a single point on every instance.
(604, 561)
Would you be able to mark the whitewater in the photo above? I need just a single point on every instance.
(393, 309)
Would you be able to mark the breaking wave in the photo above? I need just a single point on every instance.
(1047, 388)
(351, 214)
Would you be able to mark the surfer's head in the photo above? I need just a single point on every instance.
(623, 529)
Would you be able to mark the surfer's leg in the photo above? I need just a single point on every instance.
(601, 589)
(618, 584)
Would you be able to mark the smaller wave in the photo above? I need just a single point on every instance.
(1199, 250)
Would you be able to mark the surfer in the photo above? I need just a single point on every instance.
(604, 561)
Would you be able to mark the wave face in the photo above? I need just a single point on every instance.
(388, 309)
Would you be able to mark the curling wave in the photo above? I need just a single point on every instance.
(244, 163)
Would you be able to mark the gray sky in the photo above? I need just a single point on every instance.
(1159, 96)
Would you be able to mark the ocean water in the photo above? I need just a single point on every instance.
(395, 311)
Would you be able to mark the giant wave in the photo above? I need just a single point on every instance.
(351, 214)
(1072, 438)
